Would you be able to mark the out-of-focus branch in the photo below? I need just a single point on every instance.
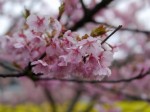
(84, 7)
(7, 67)
(89, 15)
(75, 99)
(129, 96)
(123, 29)
(92, 103)
(50, 99)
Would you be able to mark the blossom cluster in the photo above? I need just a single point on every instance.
(56, 52)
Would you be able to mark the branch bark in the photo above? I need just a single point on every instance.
(89, 15)
(38, 78)
(138, 77)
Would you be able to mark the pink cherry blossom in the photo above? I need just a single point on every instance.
(91, 46)
(41, 67)
(37, 22)
(66, 56)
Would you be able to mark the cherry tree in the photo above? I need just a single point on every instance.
(92, 51)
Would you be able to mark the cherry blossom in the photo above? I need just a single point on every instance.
(37, 22)
(66, 53)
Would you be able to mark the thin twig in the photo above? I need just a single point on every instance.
(119, 27)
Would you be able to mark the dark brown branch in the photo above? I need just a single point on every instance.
(12, 75)
(119, 27)
(84, 7)
(89, 15)
(123, 29)
(139, 76)
(36, 78)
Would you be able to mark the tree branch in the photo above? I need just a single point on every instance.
(132, 97)
(123, 29)
(12, 75)
(51, 100)
(139, 76)
(119, 27)
(89, 15)
(5, 66)
(38, 78)
(75, 99)
(92, 103)
(84, 7)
